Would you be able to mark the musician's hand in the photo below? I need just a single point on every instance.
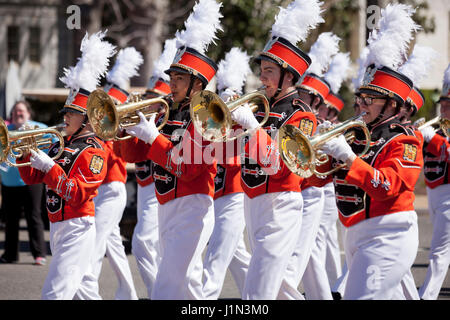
(339, 149)
(245, 117)
(228, 95)
(427, 133)
(41, 161)
(145, 130)
(323, 127)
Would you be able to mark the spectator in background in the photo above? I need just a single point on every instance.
(17, 197)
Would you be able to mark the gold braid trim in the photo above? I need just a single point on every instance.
(75, 107)
(379, 90)
(283, 63)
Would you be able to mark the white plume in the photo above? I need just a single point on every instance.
(233, 70)
(201, 26)
(92, 64)
(296, 21)
(419, 64)
(389, 44)
(446, 83)
(165, 59)
(362, 66)
(447, 75)
(338, 71)
(326, 46)
(126, 66)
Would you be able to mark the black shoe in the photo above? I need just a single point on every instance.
(4, 260)
(336, 296)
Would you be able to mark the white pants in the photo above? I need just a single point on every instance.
(273, 222)
(407, 289)
(72, 245)
(379, 252)
(145, 241)
(226, 247)
(439, 259)
(185, 226)
(312, 210)
(109, 205)
(339, 284)
(315, 279)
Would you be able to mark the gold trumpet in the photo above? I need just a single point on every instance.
(107, 118)
(301, 154)
(16, 143)
(211, 116)
(443, 123)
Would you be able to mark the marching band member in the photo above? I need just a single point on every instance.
(184, 182)
(321, 52)
(73, 179)
(315, 279)
(437, 177)
(415, 68)
(273, 203)
(112, 194)
(145, 241)
(338, 288)
(226, 247)
(375, 193)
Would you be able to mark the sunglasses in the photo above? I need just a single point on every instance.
(367, 100)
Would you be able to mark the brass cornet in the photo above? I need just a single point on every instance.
(16, 143)
(107, 118)
(211, 116)
(301, 154)
(443, 123)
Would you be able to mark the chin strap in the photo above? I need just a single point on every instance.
(380, 116)
(83, 125)
(280, 84)
(188, 92)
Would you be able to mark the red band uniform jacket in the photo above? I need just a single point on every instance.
(436, 160)
(383, 180)
(117, 170)
(178, 168)
(73, 181)
(228, 177)
(262, 170)
(126, 149)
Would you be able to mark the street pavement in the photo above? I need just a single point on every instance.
(23, 281)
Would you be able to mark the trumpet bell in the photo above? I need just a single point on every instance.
(104, 115)
(296, 151)
(16, 143)
(302, 154)
(4, 141)
(211, 116)
(107, 118)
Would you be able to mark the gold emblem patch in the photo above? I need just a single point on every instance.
(96, 164)
(306, 126)
(410, 153)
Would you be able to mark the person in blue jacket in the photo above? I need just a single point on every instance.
(17, 197)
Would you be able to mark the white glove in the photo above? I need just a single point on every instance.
(245, 117)
(41, 161)
(428, 133)
(227, 95)
(323, 126)
(145, 130)
(338, 148)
